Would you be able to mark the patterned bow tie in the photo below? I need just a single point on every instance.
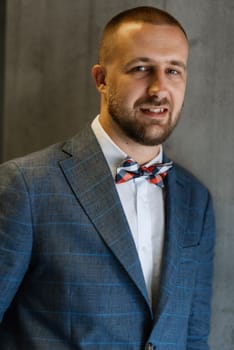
(130, 170)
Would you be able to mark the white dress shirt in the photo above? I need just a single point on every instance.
(143, 205)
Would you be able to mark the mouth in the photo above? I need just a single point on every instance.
(154, 111)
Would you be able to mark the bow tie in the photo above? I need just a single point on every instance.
(130, 169)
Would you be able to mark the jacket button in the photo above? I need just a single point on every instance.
(150, 346)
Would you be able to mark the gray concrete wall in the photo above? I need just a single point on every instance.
(49, 94)
(2, 68)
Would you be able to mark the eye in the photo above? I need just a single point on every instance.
(173, 72)
(142, 69)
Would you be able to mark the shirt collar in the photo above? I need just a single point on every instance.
(113, 154)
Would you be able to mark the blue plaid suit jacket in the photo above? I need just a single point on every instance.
(70, 277)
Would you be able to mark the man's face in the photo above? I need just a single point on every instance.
(145, 83)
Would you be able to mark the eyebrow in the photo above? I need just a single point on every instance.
(176, 63)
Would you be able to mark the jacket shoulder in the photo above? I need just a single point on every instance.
(47, 156)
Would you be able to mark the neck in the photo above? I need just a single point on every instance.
(142, 154)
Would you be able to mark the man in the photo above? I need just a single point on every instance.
(87, 263)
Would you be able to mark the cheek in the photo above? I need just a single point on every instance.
(178, 96)
(126, 92)
(132, 92)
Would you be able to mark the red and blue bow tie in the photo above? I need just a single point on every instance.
(130, 169)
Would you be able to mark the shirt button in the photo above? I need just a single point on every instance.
(150, 346)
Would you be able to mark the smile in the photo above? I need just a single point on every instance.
(157, 110)
(154, 110)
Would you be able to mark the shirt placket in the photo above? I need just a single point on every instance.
(144, 231)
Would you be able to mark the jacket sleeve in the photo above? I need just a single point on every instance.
(199, 323)
(15, 233)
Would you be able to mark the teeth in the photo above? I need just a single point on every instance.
(156, 110)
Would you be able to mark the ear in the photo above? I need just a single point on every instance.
(99, 75)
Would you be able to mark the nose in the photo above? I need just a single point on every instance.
(158, 86)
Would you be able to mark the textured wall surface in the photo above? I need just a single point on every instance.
(2, 68)
(49, 95)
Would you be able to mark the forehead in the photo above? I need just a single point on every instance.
(145, 39)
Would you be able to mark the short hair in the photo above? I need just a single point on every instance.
(144, 14)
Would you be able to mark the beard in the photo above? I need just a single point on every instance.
(150, 132)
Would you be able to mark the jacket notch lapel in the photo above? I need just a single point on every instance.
(92, 183)
(177, 205)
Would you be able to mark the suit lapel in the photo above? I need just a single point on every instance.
(90, 178)
(177, 204)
